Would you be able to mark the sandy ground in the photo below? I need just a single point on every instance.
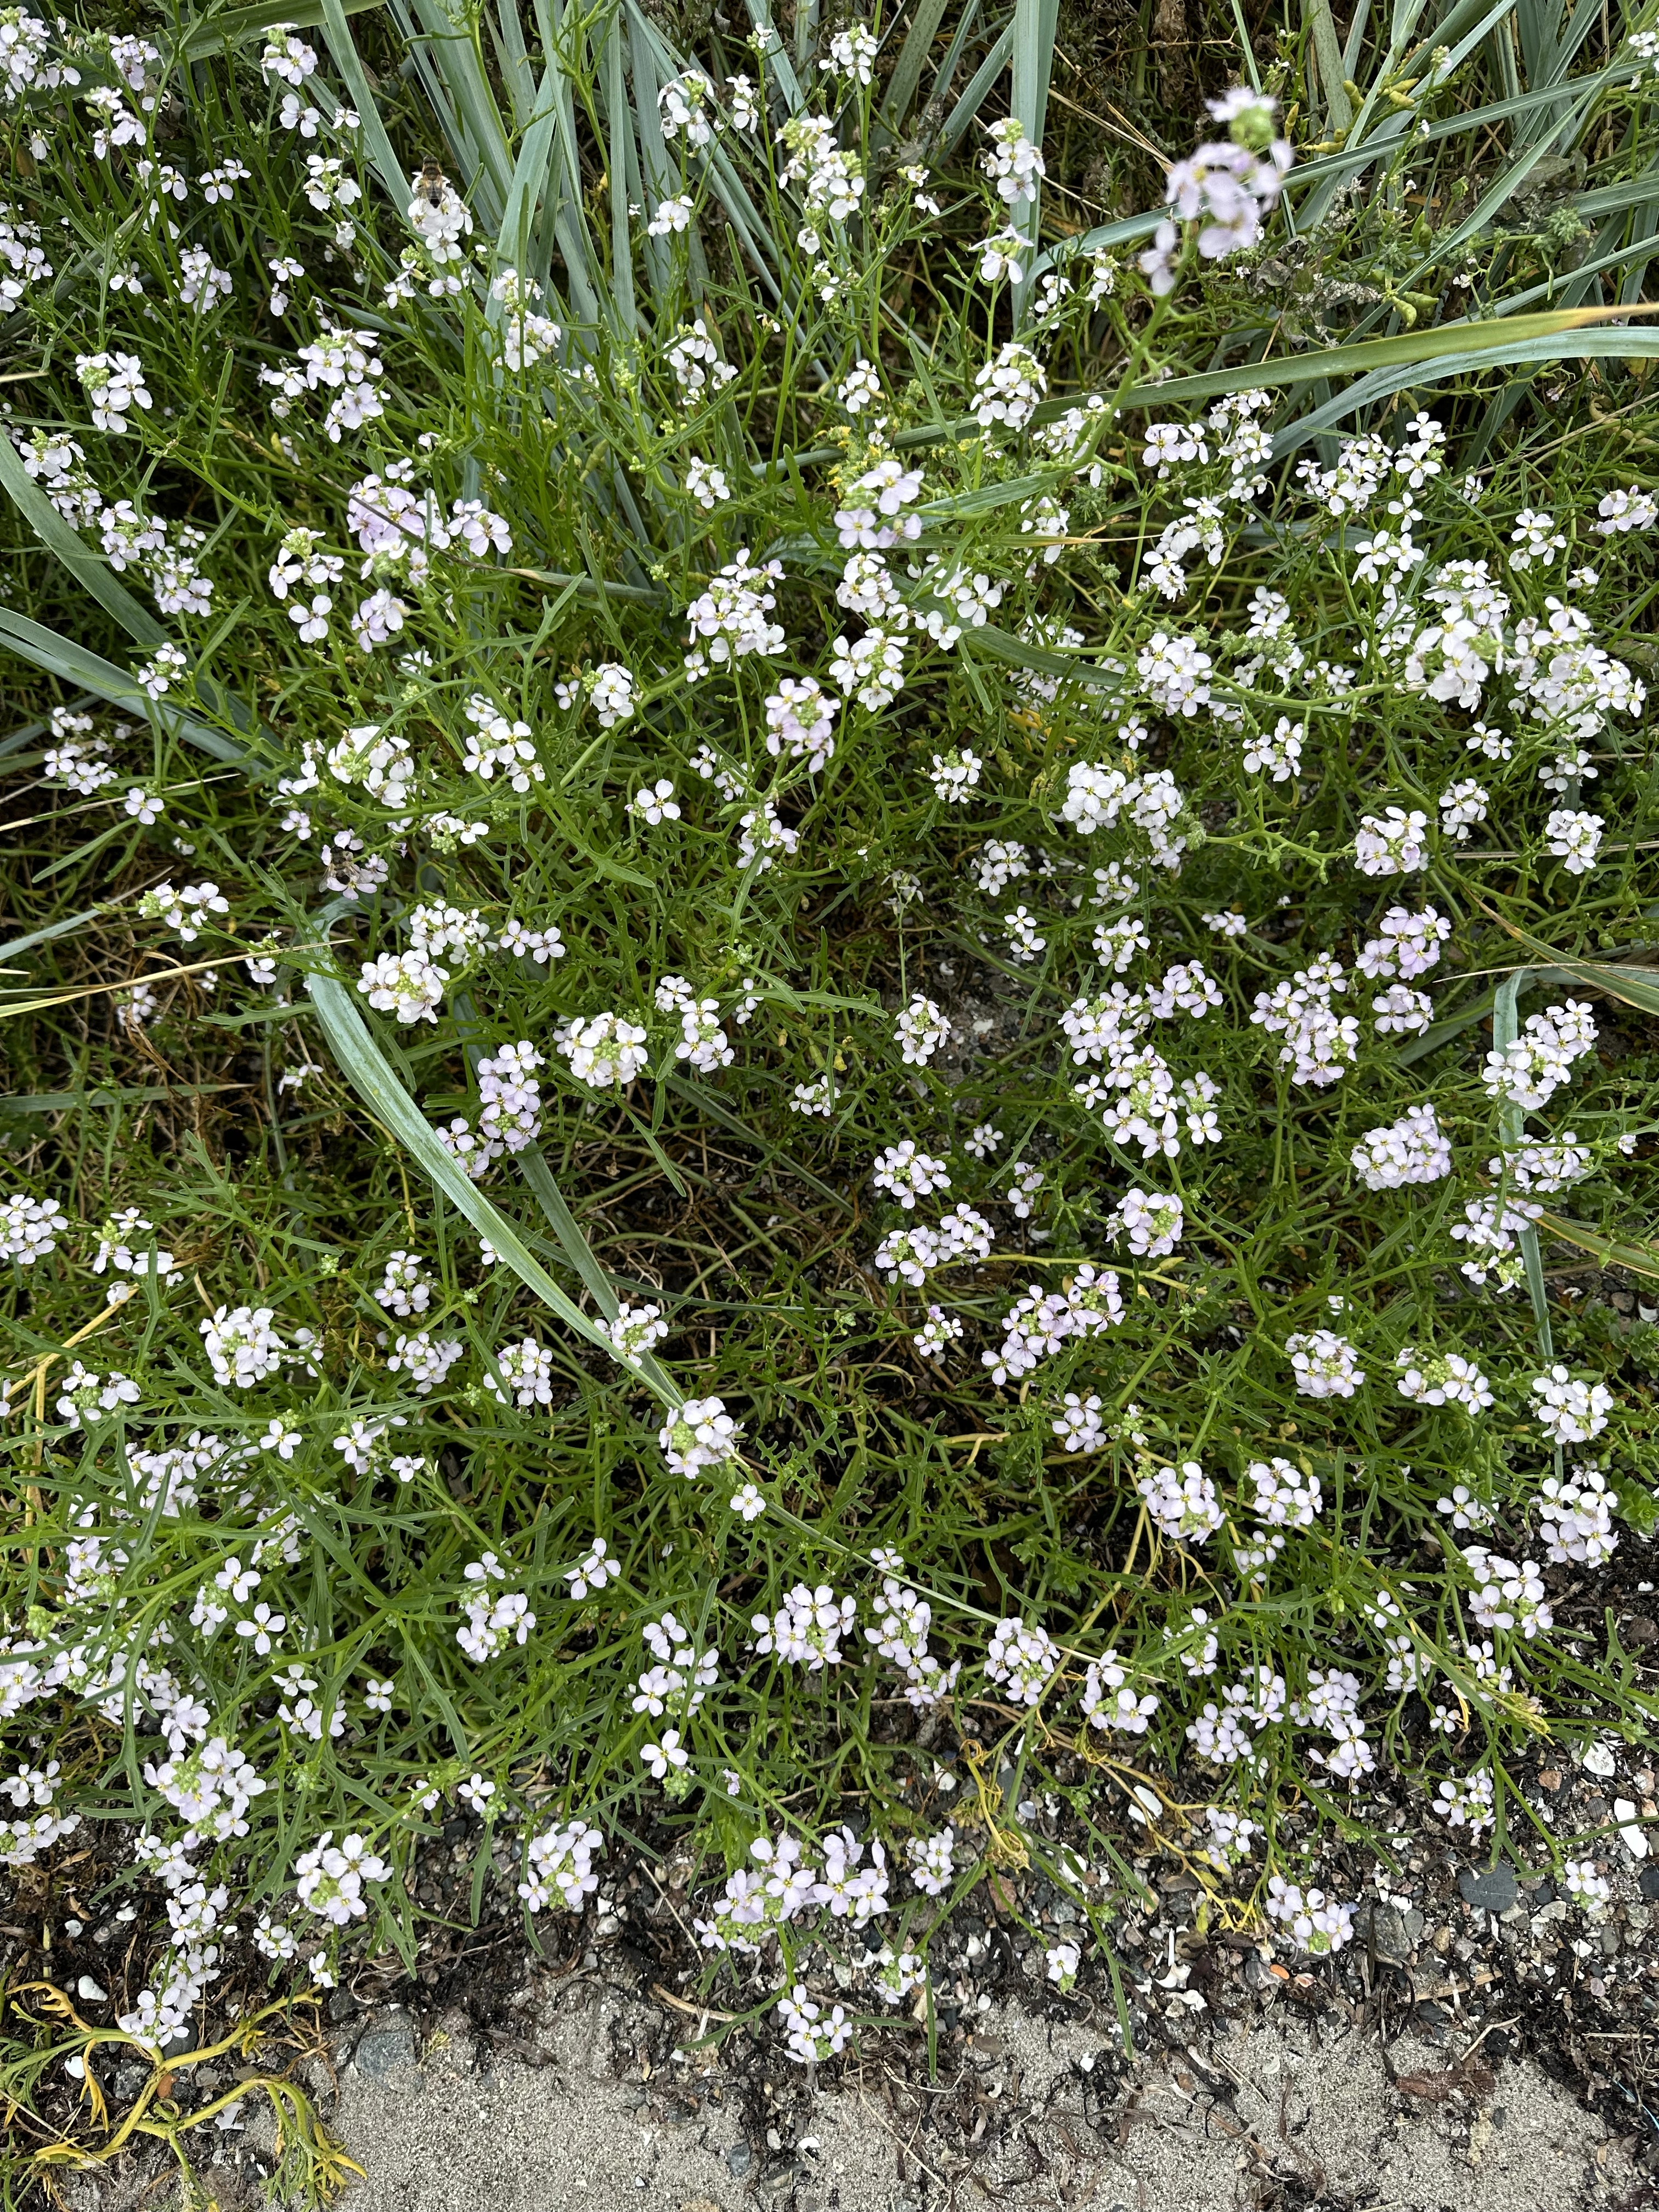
(1283, 2113)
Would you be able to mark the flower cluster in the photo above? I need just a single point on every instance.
(1326, 1366)
(808, 1628)
(1181, 1503)
(495, 1618)
(559, 1863)
(701, 1434)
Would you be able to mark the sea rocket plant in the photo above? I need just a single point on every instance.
(797, 923)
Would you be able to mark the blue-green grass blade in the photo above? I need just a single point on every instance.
(88, 568)
(1640, 190)
(514, 246)
(1454, 348)
(903, 85)
(565, 202)
(1611, 1251)
(76, 664)
(532, 1166)
(974, 98)
(1033, 56)
(217, 31)
(1483, 30)
(1362, 151)
(620, 134)
(366, 1068)
(66, 928)
(465, 157)
(1337, 107)
(658, 176)
(342, 48)
(947, 72)
(715, 164)
(777, 57)
(517, 73)
(1574, 345)
(452, 54)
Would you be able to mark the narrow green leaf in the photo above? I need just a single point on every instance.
(26, 733)
(1613, 199)
(74, 664)
(1610, 1251)
(120, 828)
(532, 1166)
(1442, 1032)
(530, 177)
(745, 218)
(463, 156)
(88, 568)
(1556, 52)
(1486, 341)
(344, 50)
(1466, 45)
(1644, 229)
(702, 1100)
(568, 203)
(1570, 345)
(592, 587)
(1311, 183)
(1013, 652)
(658, 175)
(1637, 983)
(777, 57)
(212, 33)
(1512, 1123)
(974, 98)
(913, 57)
(987, 499)
(1445, 32)
(1327, 62)
(1356, 45)
(714, 164)
(1561, 333)
(967, 26)
(621, 234)
(1033, 59)
(367, 1069)
(517, 74)
(1634, 987)
(63, 1101)
(449, 47)
(70, 923)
